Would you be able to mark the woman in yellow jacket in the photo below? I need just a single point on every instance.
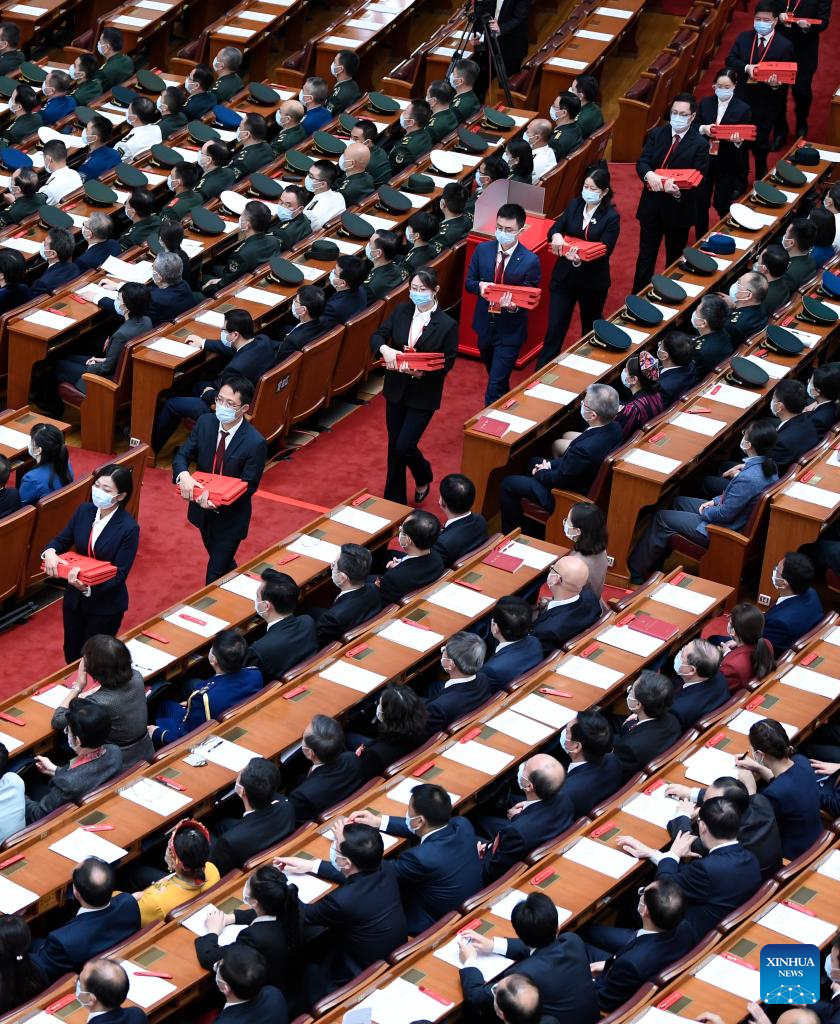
(189, 872)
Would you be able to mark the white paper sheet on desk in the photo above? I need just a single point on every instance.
(630, 640)
(154, 5)
(589, 672)
(191, 156)
(172, 348)
(745, 720)
(21, 244)
(416, 201)
(650, 460)
(80, 844)
(155, 797)
(773, 370)
(313, 547)
(14, 897)
(546, 711)
(256, 16)
(346, 247)
(491, 965)
(741, 243)
(239, 33)
(519, 727)
(125, 19)
(658, 810)
(826, 154)
(139, 273)
(10, 742)
(830, 867)
(564, 62)
(401, 793)
(707, 764)
(95, 292)
(728, 395)
(610, 12)
(461, 600)
(833, 459)
(813, 495)
(111, 115)
(797, 925)
(354, 677)
(191, 246)
(358, 519)
(147, 659)
(225, 753)
(668, 312)
(698, 424)
(808, 338)
(546, 393)
(400, 1002)
(211, 318)
(260, 295)
(195, 924)
(44, 318)
(343, 41)
(15, 439)
(53, 697)
(732, 977)
(479, 756)
(532, 556)
(445, 51)
(145, 991)
(606, 860)
(310, 273)
(278, 3)
(415, 637)
(35, 12)
(244, 586)
(310, 887)
(813, 682)
(653, 1015)
(365, 23)
(379, 223)
(722, 264)
(591, 367)
(208, 627)
(504, 907)
(636, 337)
(683, 598)
(599, 37)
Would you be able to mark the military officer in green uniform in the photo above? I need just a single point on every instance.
(22, 104)
(462, 78)
(170, 105)
(22, 196)
(455, 224)
(255, 152)
(416, 140)
(566, 135)
(11, 57)
(356, 184)
(379, 166)
(292, 132)
(591, 117)
(444, 120)
(385, 275)
(419, 232)
(183, 181)
(118, 66)
(226, 64)
(255, 248)
(292, 223)
(346, 90)
(140, 210)
(83, 72)
(217, 175)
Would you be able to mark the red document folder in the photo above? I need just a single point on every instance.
(507, 563)
(222, 490)
(486, 425)
(587, 251)
(521, 295)
(784, 70)
(683, 177)
(91, 570)
(726, 131)
(653, 627)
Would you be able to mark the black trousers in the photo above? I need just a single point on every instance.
(80, 625)
(591, 302)
(220, 544)
(651, 234)
(405, 429)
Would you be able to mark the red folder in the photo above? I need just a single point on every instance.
(726, 131)
(91, 570)
(410, 359)
(683, 177)
(587, 251)
(486, 425)
(521, 295)
(507, 563)
(653, 627)
(221, 490)
(784, 70)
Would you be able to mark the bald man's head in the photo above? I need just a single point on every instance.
(542, 776)
(539, 130)
(293, 109)
(799, 1015)
(567, 577)
(516, 1000)
(355, 158)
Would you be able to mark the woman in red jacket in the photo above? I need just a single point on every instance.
(746, 655)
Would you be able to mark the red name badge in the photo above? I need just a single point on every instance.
(591, 649)
(169, 782)
(654, 786)
(12, 860)
(361, 499)
(678, 578)
(469, 586)
(12, 720)
(796, 906)
(541, 877)
(59, 1004)
(554, 693)
(669, 1000)
(809, 658)
(602, 830)
(294, 693)
(430, 992)
(155, 636)
(414, 622)
(471, 735)
(470, 926)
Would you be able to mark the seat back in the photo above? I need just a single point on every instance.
(576, 163)
(271, 413)
(345, 992)
(422, 941)
(134, 460)
(598, 142)
(15, 535)
(4, 332)
(394, 298)
(353, 363)
(316, 373)
(53, 514)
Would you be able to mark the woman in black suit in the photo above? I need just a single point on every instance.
(729, 162)
(102, 529)
(591, 216)
(401, 728)
(413, 397)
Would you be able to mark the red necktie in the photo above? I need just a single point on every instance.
(501, 261)
(219, 457)
(674, 143)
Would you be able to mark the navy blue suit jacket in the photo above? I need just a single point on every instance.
(692, 151)
(788, 620)
(96, 254)
(283, 645)
(676, 382)
(116, 544)
(69, 947)
(592, 782)
(693, 702)
(461, 537)
(55, 277)
(823, 418)
(444, 706)
(556, 626)
(343, 306)
(267, 1007)
(511, 662)
(348, 611)
(523, 268)
(577, 468)
(639, 961)
(438, 874)
(534, 825)
(795, 798)
(169, 303)
(325, 786)
(408, 575)
(124, 1015)
(252, 361)
(794, 437)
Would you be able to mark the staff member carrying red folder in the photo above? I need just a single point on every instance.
(102, 530)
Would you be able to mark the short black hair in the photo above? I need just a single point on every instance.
(171, 235)
(679, 347)
(258, 215)
(570, 103)
(715, 311)
(173, 97)
(421, 112)
(313, 299)
(798, 570)
(426, 226)
(230, 649)
(512, 1000)
(720, 817)
(370, 133)
(685, 97)
(101, 125)
(513, 615)
(654, 692)
(362, 845)
(108, 981)
(328, 170)
(767, 7)
(433, 802)
(244, 970)
(203, 76)
(12, 265)
(219, 153)
(241, 321)
(90, 723)
(113, 37)
(93, 880)
(467, 69)
(455, 197)
(255, 125)
(325, 738)
(136, 298)
(734, 791)
(26, 97)
(354, 560)
(60, 81)
(588, 86)
(535, 920)
(240, 386)
(353, 270)
(422, 528)
(10, 33)
(592, 731)
(142, 202)
(61, 242)
(665, 902)
(189, 174)
(440, 90)
(458, 493)
(775, 260)
(348, 60)
(280, 590)
(55, 149)
(803, 232)
(792, 394)
(142, 107)
(388, 242)
(108, 661)
(260, 778)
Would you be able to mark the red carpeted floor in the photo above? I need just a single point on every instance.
(171, 561)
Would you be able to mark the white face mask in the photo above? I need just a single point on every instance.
(409, 236)
(101, 498)
(260, 607)
(520, 777)
(745, 446)
(696, 320)
(84, 137)
(342, 163)
(778, 580)
(724, 94)
(101, 48)
(191, 86)
(71, 71)
(569, 530)
(335, 70)
(159, 104)
(554, 112)
(34, 452)
(812, 391)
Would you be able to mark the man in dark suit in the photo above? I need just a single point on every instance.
(516, 1000)
(225, 444)
(623, 959)
(104, 919)
(510, 27)
(543, 815)
(102, 990)
(593, 773)
(797, 609)
(268, 817)
(307, 307)
(712, 343)
(677, 373)
(701, 686)
(795, 25)
(242, 978)
(557, 964)
(358, 599)
(334, 773)
(464, 530)
(516, 651)
(713, 885)
(465, 689)
(666, 211)
(576, 469)
(501, 327)
(442, 870)
(349, 297)
(288, 638)
(651, 727)
(420, 564)
(97, 231)
(729, 161)
(170, 294)
(572, 608)
(58, 247)
(795, 434)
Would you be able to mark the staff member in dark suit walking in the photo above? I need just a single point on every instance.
(102, 529)
(767, 100)
(805, 39)
(412, 397)
(729, 161)
(228, 445)
(510, 27)
(664, 210)
(591, 216)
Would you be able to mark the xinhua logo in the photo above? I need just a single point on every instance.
(790, 973)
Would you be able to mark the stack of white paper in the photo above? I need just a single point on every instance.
(239, 33)
(591, 367)
(310, 887)
(478, 756)
(630, 640)
(589, 672)
(360, 520)
(726, 394)
(172, 348)
(533, 557)
(225, 753)
(462, 600)
(401, 793)
(195, 924)
(34, 12)
(55, 321)
(490, 964)
(606, 860)
(650, 460)
(698, 424)
(80, 844)
(53, 697)
(526, 730)
(546, 711)
(683, 598)
(145, 991)
(14, 439)
(653, 1015)
(598, 37)
(565, 62)
(658, 810)
(195, 621)
(732, 977)
(831, 866)
(261, 296)
(515, 424)
(667, 311)
(343, 41)
(14, 897)
(814, 682)
(21, 244)
(833, 637)
(745, 720)
(211, 318)
(798, 925)
(400, 1002)
(707, 764)
(345, 673)
(156, 797)
(256, 16)
(546, 393)
(613, 12)
(147, 659)
(809, 493)
(775, 371)
(125, 19)
(139, 273)
(313, 547)
(243, 585)
(9, 742)
(415, 637)
(382, 223)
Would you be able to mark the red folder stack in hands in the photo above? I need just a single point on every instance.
(414, 361)
(725, 131)
(520, 295)
(586, 250)
(91, 570)
(784, 70)
(221, 490)
(682, 177)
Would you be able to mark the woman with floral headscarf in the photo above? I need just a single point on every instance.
(190, 872)
(641, 377)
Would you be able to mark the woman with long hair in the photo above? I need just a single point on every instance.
(20, 978)
(52, 470)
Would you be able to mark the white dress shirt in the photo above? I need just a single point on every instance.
(138, 140)
(544, 160)
(721, 110)
(101, 520)
(324, 207)
(60, 184)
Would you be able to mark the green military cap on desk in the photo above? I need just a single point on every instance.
(7, 86)
(284, 272)
(123, 96)
(816, 312)
(264, 94)
(787, 174)
(393, 201)
(149, 81)
(347, 121)
(767, 195)
(327, 144)
(741, 216)
(130, 176)
(200, 132)
(492, 118)
(420, 183)
(643, 312)
(745, 374)
(355, 226)
(14, 159)
(323, 249)
(55, 217)
(206, 222)
(298, 162)
(33, 73)
(163, 156)
(381, 103)
(84, 114)
(99, 193)
(233, 202)
(666, 289)
(609, 335)
(784, 342)
(698, 262)
(445, 162)
(470, 141)
(264, 187)
(807, 156)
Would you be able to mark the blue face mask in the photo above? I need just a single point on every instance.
(733, 292)
(42, 251)
(408, 820)
(419, 298)
(505, 238)
(225, 415)
(763, 28)
(724, 94)
(679, 122)
(678, 662)
(101, 498)
(334, 857)
(119, 308)
(225, 338)
(283, 213)
(368, 252)
(478, 185)
(590, 195)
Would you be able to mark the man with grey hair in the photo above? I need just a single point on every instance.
(226, 64)
(313, 94)
(537, 135)
(701, 686)
(97, 231)
(171, 295)
(464, 689)
(574, 470)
